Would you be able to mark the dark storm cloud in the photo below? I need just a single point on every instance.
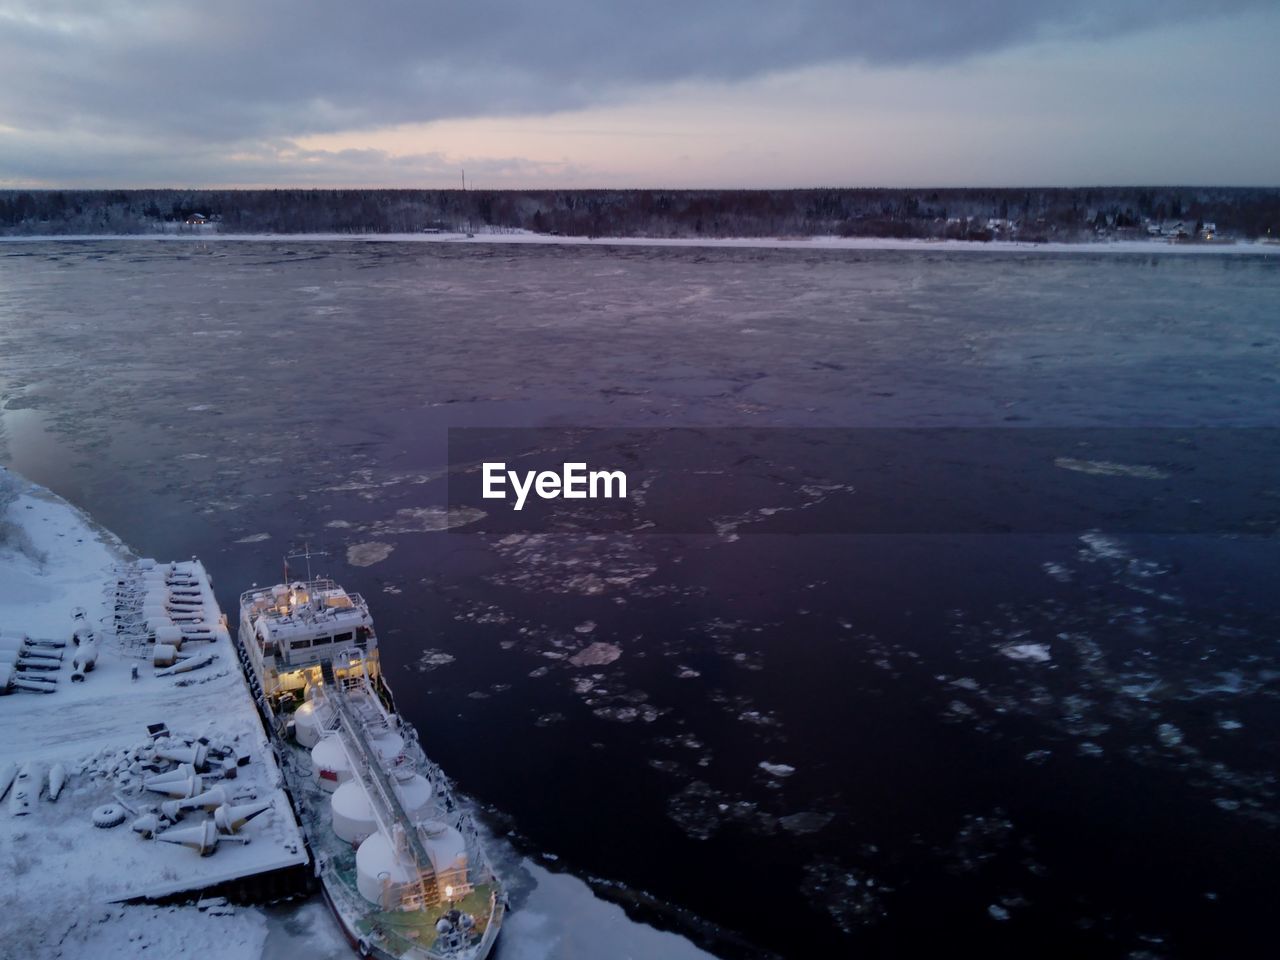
(241, 70)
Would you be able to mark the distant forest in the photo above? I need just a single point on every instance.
(976, 214)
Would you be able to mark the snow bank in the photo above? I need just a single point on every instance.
(772, 243)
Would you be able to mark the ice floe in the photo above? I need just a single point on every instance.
(776, 769)
(596, 654)
(1106, 468)
(367, 554)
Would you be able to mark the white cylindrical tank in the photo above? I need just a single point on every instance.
(352, 814)
(376, 862)
(309, 721)
(415, 796)
(330, 762)
(389, 746)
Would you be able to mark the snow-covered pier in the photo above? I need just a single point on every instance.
(126, 721)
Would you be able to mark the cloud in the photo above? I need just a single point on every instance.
(77, 160)
(245, 71)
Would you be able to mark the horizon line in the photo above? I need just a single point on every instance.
(722, 189)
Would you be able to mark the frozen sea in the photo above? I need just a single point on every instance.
(777, 743)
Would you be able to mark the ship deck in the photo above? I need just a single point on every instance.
(397, 932)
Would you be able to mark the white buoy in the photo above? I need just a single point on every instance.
(179, 789)
(214, 797)
(57, 779)
(231, 817)
(180, 772)
(196, 754)
(202, 837)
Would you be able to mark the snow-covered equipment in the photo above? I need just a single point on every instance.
(186, 666)
(202, 837)
(21, 662)
(85, 659)
(148, 825)
(209, 799)
(25, 789)
(196, 754)
(57, 780)
(229, 818)
(26, 648)
(180, 772)
(177, 788)
(168, 634)
(11, 680)
(108, 815)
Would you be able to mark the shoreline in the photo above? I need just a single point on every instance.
(808, 244)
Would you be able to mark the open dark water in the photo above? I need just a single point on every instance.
(896, 744)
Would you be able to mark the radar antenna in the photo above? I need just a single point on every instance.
(306, 553)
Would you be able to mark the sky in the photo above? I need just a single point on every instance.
(658, 93)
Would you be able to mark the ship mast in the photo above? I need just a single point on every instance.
(306, 553)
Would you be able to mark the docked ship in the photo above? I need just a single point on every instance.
(400, 863)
